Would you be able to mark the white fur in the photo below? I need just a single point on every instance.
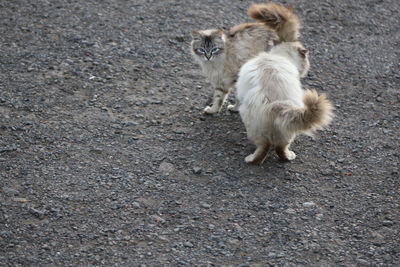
(268, 80)
(263, 80)
(213, 69)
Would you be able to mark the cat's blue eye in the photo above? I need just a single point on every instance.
(200, 50)
(215, 50)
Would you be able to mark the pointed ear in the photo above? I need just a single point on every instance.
(220, 33)
(290, 7)
(303, 52)
(195, 34)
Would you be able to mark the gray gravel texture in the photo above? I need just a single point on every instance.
(106, 158)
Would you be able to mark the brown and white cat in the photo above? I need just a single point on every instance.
(273, 106)
(221, 54)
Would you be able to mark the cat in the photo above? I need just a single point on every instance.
(273, 106)
(221, 54)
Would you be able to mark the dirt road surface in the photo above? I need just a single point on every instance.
(107, 160)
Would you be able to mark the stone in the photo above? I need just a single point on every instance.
(188, 244)
(363, 262)
(205, 205)
(38, 213)
(10, 191)
(387, 223)
(197, 170)
(136, 205)
(157, 219)
(290, 211)
(166, 168)
(308, 204)
(20, 199)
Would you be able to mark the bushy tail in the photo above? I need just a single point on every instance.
(278, 17)
(316, 114)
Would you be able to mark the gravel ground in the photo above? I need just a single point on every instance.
(106, 158)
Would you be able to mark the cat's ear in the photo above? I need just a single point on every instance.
(290, 7)
(221, 31)
(195, 34)
(303, 52)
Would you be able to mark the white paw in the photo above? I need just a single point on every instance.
(233, 108)
(249, 158)
(209, 110)
(290, 155)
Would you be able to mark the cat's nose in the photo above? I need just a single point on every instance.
(208, 56)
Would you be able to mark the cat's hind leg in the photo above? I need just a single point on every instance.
(234, 107)
(219, 97)
(284, 153)
(259, 155)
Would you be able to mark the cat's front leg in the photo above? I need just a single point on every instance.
(230, 83)
(259, 155)
(219, 97)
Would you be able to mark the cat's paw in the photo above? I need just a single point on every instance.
(209, 110)
(290, 155)
(233, 108)
(252, 159)
(249, 159)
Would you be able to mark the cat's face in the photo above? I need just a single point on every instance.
(208, 45)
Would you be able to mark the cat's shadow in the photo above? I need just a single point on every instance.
(223, 140)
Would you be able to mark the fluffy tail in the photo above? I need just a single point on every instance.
(278, 17)
(316, 114)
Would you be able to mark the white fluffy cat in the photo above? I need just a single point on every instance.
(273, 105)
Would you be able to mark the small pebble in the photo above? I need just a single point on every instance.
(290, 211)
(205, 205)
(308, 204)
(157, 219)
(188, 244)
(136, 205)
(166, 168)
(10, 191)
(197, 170)
(387, 223)
(387, 258)
(20, 199)
(362, 262)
